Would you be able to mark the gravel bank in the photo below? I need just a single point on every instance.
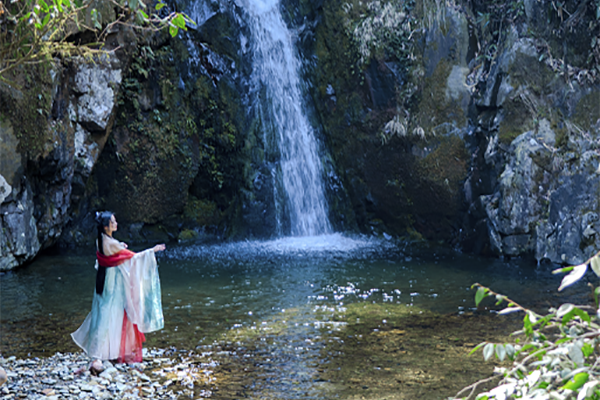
(164, 374)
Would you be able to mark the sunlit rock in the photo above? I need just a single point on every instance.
(96, 84)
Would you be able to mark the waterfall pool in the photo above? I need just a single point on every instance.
(320, 317)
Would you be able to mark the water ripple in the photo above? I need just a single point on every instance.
(323, 246)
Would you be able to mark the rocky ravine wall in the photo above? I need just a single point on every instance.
(478, 128)
(54, 124)
(482, 135)
(157, 133)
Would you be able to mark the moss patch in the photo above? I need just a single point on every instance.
(517, 119)
(203, 212)
(432, 105)
(172, 137)
(446, 166)
(587, 111)
(27, 105)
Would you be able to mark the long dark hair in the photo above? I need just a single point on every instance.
(102, 221)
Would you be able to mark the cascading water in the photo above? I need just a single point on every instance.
(276, 74)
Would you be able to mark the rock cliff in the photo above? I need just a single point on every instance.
(470, 123)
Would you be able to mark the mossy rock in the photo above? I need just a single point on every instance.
(186, 235)
(27, 104)
(516, 119)
(587, 111)
(202, 212)
(438, 105)
(530, 72)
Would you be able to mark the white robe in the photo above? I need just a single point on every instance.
(132, 287)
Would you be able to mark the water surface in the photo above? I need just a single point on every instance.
(301, 309)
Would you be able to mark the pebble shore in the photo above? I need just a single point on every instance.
(164, 374)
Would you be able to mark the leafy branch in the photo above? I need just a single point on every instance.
(558, 358)
(35, 31)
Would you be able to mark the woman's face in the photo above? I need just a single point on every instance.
(112, 225)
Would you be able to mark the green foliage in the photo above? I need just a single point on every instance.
(558, 357)
(35, 31)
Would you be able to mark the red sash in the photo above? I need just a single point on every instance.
(115, 259)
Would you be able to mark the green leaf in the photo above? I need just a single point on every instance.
(179, 21)
(45, 20)
(44, 6)
(133, 4)
(26, 16)
(573, 313)
(143, 14)
(578, 381)
(527, 326)
(595, 264)
(574, 276)
(510, 351)
(500, 352)
(587, 349)
(159, 6)
(173, 30)
(477, 347)
(499, 299)
(562, 270)
(479, 295)
(488, 351)
(94, 16)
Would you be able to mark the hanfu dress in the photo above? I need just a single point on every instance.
(129, 306)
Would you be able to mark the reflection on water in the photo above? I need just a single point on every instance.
(211, 288)
(283, 301)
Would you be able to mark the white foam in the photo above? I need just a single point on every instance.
(295, 246)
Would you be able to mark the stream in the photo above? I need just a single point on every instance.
(305, 317)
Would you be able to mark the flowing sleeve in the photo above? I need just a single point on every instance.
(142, 287)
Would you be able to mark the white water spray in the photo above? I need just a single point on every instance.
(276, 71)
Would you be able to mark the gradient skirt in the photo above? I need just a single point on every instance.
(129, 306)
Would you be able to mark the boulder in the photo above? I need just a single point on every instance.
(95, 86)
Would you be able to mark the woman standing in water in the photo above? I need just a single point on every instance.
(127, 300)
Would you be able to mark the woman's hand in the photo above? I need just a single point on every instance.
(159, 247)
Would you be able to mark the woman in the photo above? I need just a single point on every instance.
(127, 301)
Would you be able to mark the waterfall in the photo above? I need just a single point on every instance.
(275, 75)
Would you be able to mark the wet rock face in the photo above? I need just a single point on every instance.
(515, 208)
(541, 156)
(95, 86)
(19, 241)
(46, 161)
(396, 124)
(546, 201)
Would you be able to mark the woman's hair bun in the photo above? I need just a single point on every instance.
(102, 218)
